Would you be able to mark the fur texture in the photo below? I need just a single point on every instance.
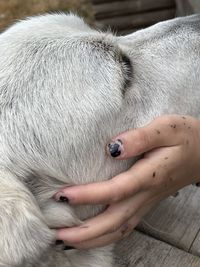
(65, 90)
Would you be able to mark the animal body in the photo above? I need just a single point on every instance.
(65, 90)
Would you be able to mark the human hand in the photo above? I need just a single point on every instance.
(171, 161)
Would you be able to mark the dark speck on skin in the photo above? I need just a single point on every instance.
(184, 118)
(124, 230)
(173, 126)
(154, 174)
(166, 158)
(158, 132)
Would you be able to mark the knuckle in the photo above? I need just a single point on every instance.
(117, 197)
(125, 230)
(112, 228)
(142, 140)
(124, 191)
(116, 193)
(118, 190)
(166, 120)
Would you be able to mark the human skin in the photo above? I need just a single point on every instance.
(171, 147)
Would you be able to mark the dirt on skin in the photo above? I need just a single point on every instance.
(13, 10)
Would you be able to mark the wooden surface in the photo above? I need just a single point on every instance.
(176, 220)
(136, 20)
(145, 251)
(117, 8)
(168, 237)
(125, 15)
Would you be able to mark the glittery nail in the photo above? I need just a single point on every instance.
(115, 148)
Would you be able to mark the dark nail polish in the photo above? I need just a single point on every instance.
(59, 242)
(63, 199)
(68, 248)
(115, 148)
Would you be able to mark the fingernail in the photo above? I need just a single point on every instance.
(68, 248)
(59, 242)
(60, 197)
(115, 149)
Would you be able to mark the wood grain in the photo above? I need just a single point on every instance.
(195, 247)
(104, 1)
(130, 7)
(177, 220)
(137, 20)
(140, 250)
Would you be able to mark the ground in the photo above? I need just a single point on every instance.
(12, 10)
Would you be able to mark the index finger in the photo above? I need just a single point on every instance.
(161, 132)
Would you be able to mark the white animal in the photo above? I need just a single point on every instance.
(65, 90)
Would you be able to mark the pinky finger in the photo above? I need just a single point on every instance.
(122, 232)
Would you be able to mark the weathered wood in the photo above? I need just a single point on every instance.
(187, 7)
(195, 247)
(130, 7)
(128, 31)
(140, 250)
(13, 10)
(177, 220)
(137, 20)
(105, 1)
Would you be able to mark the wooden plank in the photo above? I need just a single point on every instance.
(130, 7)
(195, 247)
(140, 250)
(137, 20)
(177, 220)
(128, 31)
(105, 1)
(187, 7)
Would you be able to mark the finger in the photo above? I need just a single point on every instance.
(104, 192)
(148, 172)
(104, 223)
(163, 131)
(107, 239)
(122, 232)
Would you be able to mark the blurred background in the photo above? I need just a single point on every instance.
(121, 16)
